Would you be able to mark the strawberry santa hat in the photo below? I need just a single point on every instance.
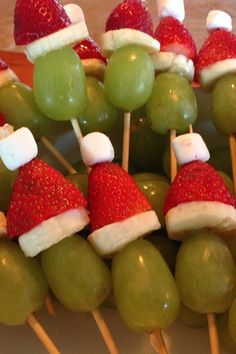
(45, 207)
(198, 197)
(178, 49)
(94, 63)
(217, 56)
(44, 25)
(119, 212)
(129, 23)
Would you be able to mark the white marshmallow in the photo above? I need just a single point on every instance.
(95, 148)
(218, 19)
(18, 148)
(190, 147)
(74, 12)
(174, 8)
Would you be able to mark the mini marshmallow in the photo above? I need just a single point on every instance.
(95, 148)
(74, 12)
(217, 19)
(18, 148)
(190, 147)
(174, 8)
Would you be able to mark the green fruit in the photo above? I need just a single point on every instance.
(224, 105)
(23, 286)
(172, 104)
(60, 84)
(232, 321)
(156, 192)
(205, 273)
(129, 78)
(80, 180)
(150, 176)
(146, 146)
(145, 291)
(99, 114)
(76, 274)
(191, 318)
(17, 103)
(7, 179)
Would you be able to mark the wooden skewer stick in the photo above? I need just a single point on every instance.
(213, 335)
(58, 156)
(190, 128)
(232, 145)
(104, 330)
(126, 141)
(50, 307)
(42, 335)
(78, 134)
(157, 342)
(173, 162)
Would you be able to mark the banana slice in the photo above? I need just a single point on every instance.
(214, 72)
(111, 238)
(189, 217)
(176, 63)
(74, 33)
(52, 231)
(113, 40)
(6, 76)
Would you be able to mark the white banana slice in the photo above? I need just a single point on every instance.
(212, 73)
(6, 76)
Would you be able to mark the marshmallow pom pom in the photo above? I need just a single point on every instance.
(218, 20)
(18, 148)
(95, 148)
(173, 8)
(190, 147)
(74, 12)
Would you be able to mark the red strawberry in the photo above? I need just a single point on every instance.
(39, 193)
(130, 14)
(220, 45)
(197, 181)
(2, 120)
(36, 19)
(88, 49)
(175, 38)
(113, 195)
(3, 65)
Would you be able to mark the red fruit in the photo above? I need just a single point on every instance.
(113, 196)
(175, 38)
(130, 14)
(2, 120)
(37, 19)
(39, 193)
(3, 65)
(88, 49)
(220, 45)
(197, 181)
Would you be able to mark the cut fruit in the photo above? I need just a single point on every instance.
(189, 217)
(177, 63)
(213, 72)
(6, 76)
(113, 40)
(112, 237)
(66, 36)
(52, 231)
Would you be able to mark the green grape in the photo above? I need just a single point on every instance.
(60, 84)
(129, 78)
(80, 180)
(145, 291)
(220, 159)
(7, 179)
(172, 104)
(156, 192)
(144, 176)
(205, 273)
(191, 318)
(227, 180)
(76, 274)
(168, 248)
(17, 103)
(23, 285)
(223, 331)
(232, 321)
(100, 114)
(224, 105)
(146, 146)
